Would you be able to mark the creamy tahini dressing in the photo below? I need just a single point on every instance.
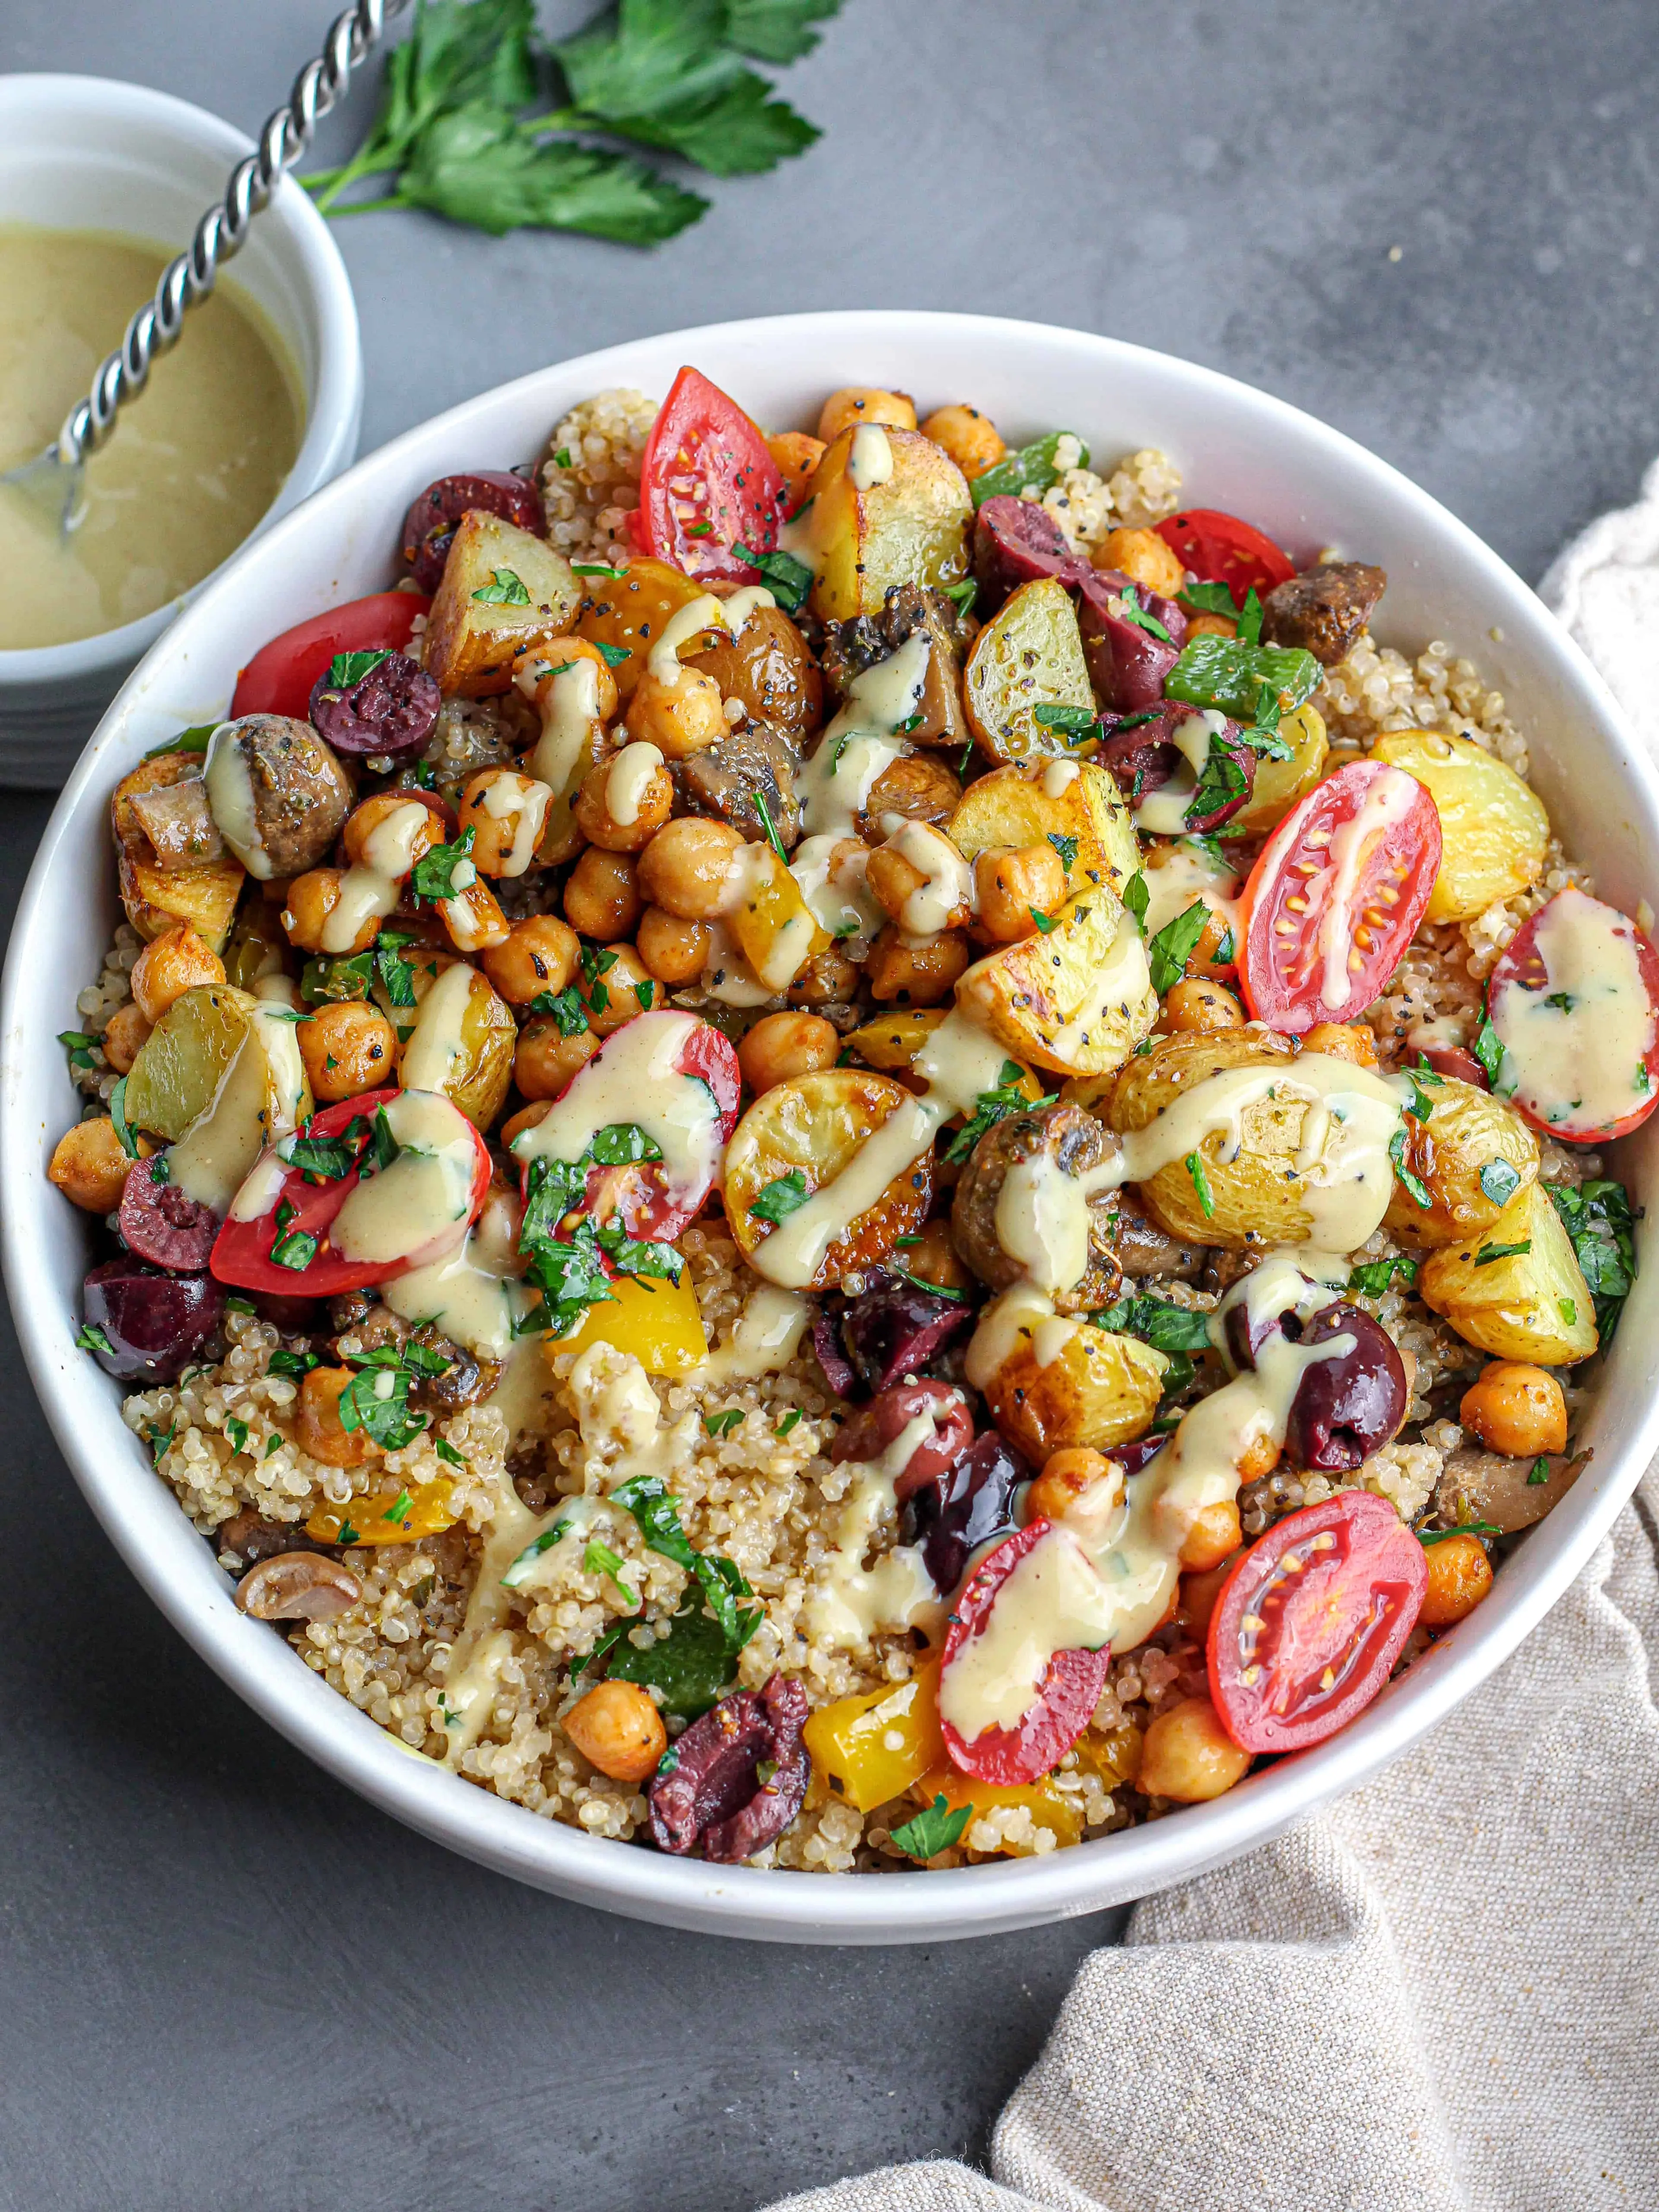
(855, 1601)
(945, 897)
(230, 787)
(1188, 872)
(1342, 941)
(628, 780)
(635, 1077)
(1042, 1219)
(765, 1338)
(1574, 1052)
(837, 891)
(524, 801)
(425, 1196)
(261, 1097)
(436, 1051)
(704, 612)
(836, 784)
(568, 696)
(750, 881)
(472, 1293)
(869, 458)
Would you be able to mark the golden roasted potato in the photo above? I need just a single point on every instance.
(1098, 1390)
(1279, 783)
(1072, 805)
(185, 1058)
(1517, 1289)
(1494, 827)
(910, 528)
(1469, 1135)
(771, 924)
(629, 611)
(204, 894)
(1076, 998)
(463, 1039)
(814, 1126)
(1029, 655)
(503, 591)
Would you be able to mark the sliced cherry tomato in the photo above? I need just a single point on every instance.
(1066, 1695)
(242, 1252)
(1310, 1621)
(1220, 548)
(1574, 1002)
(280, 677)
(707, 483)
(1336, 896)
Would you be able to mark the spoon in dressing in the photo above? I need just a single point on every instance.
(54, 481)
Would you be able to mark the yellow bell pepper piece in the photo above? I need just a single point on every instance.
(1050, 1807)
(1115, 1756)
(389, 1516)
(873, 1748)
(774, 928)
(655, 1320)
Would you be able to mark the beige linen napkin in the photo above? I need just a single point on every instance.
(1442, 1994)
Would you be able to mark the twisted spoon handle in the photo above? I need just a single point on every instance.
(220, 233)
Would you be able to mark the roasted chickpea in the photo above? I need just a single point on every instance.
(505, 812)
(680, 719)
(865, 403)
(549, 662)
(1189, 1755)
(170, 965)
(1259, 1457)
(782, 1046)
(1196, 1004)
(627, 988)
(310, 899)
(1142, 556)
(1067, 1478)
(931, 1256)
(123, 1040)
(1353, 1041)
(528, 1117)
(392, 855)
(1198, 1598)
(1209, 626)
(675, 951)
(602, 895)
(318, 1428)
(1517, 1410)
(971, 439)
(796, 455)
(347, 1048)
(918, 971)
(1213, 1535)
(474, 918)
(89, 1166)
(829, 979)
(1460, 1575)
(647, 798)
(686, 867)
(540, 954)
(891, 879)
(617, 1728)
(1012, 885)
(546, 1059)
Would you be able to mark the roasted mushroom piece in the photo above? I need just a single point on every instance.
(747, 780)
(1074, 1143)
(851, 648)
(1325, 609)
(278, 795)
(1507, 1494)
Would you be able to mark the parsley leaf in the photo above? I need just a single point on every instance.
(1194, 1165)
(1066, 848)
(1077, 724)
(934, 1829)
(1210, 599)
(780, 1197)
(1414, 1184)
(507, 589)
(565, 1007)
(1046, 923)
(1137, 898)
(376, 1399)
(962, 595)
(600, 1559)
(1488, 1253)
(769, 826)
(1489, 1051)
(297, 1249)
(1499, 1181)
(193, 740)
(1599, 1219)
(80, 1046)
(1373, 1276)
(1539, 1472)
(1168, 953)
(91, 1337)
(346, 670)
(790, 579)
(1135, 613)
(447, 870)
(1249, 618)
(657, 1517)
(117, 1115)
(1223, 781)
(477, 167)
(1165, 1327)
(329, 1159)
(1464, 1529)
(1030, 468)
(990, 1108)
(722, 1424)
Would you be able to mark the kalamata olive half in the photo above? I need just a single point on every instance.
(890, 1331)
(389, 712)
(1144, 756)
(1452, 1059)
(429, 526)
(1347, 1406)
(154, 1324)
(1015, 541)
(710, 1789)
(879, 1425)
(969, 1504)
(1127, 662)
(1248, 1330)
(158, 1223)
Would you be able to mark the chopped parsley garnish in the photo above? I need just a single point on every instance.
(1599, 1219)
(400, 1508)
(933, 1830)
(346, 670)
(446, 1451)
(327, 1160)
(117, 1115)
(991, 1107)
(518, 1570)
(80, 1047)
(657, 1515)
(273, 1443)
(349, 1535)
(376, 1399)
(1164, 1326)
(1414, 1184)
(1489, 1051)
(1539, 1471)
(1137, 898)
(447, 870)
(1464, 1529)
(193, 740)
(297, 1249)
(566, 1008)
(1499, 1181)
(962, 595)
(1372, 1276)
(596, 568)
(1249, 618)
(722, 1424)
(780, 1197)
(787, 1422)
(1077, 724)
(569, 1268)
(1066, 848)
(91, 1337)
(1422, 1105)
(771, 827)
(1168, 953)
(1209, 600)
(612, 655)
(1129, 600)
(562, 459)
(506, 590)
(237, 1431)
(283, 1362)
(790, 579)
(1046, 923)
(1033, 468)
(161, 1441)
(1194, 1165)
(596, 962)
(1223, 781)
(600, 1559)
(1488, 1253)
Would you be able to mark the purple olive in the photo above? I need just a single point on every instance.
(429, 526)
(153, 1323)
(1246, 1333)
(1142, 1452)
(390, 712)
(1127, 664)
(1015, 541)
(1144, 757)
(1348, 1406)
(969, 1504)
(880, 1424)
(709, 1791)
(159, 1224)
(890, 1331)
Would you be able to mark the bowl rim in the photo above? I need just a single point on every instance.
(769, 1903)
(333, 410)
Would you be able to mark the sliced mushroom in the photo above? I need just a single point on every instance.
(298, 1586)
(1485, 1486)
(278, 794)
(176, 820)
(1075, 1143)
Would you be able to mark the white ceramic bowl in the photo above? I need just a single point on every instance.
(83, 153)
(1239, 450)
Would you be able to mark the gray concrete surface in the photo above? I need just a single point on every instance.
(222, 1980)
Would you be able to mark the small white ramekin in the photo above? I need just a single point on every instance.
(84, 153)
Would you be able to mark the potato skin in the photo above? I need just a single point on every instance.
(1030, 655)
(1102, 1390)
(1087, 818)
(771, 671)
(913, 529)
(1466, 1130)
(1534, 1304)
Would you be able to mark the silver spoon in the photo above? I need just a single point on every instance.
(53, 480)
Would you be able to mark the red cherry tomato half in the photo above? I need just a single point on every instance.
(242, 1253)
(1066, 1695)
(1336, 896)
(1219, 548)
(1310, 1621)
(706, 483)
(279, 678)
(1575, 977)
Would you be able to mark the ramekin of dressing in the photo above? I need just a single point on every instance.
(257, 406)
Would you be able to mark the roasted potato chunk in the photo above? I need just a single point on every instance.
(1072, 805)
(771, 924)
(467, 1054)
(814, 1126)
(910, 527)
(1472, 1155)
(626, 612)
(223, 1074)
(1494, 827)
(1097, 1390)
(503, 593)
(1076, 998)
(1030, 656)
(1517, 1289)
(203, 893)
(1280, 783)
